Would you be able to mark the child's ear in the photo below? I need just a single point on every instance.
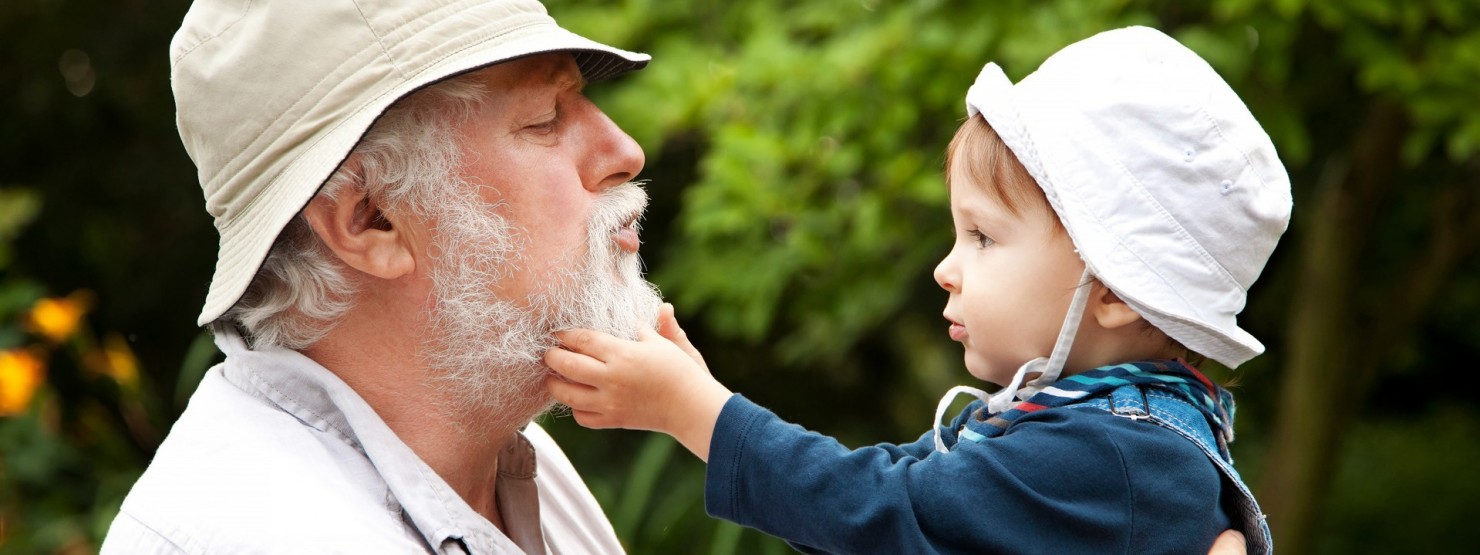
(356, 229)
(1108, 309)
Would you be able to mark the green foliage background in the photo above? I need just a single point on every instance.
(794, 158)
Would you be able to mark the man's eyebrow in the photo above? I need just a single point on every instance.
(576, 82)
(566, 77)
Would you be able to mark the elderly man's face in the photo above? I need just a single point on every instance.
(544, 153)
(538, 236)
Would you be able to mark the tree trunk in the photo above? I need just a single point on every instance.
(1324, 333)
(1306, 430)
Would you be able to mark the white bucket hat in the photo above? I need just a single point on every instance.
(1171, 191)
(271, 96)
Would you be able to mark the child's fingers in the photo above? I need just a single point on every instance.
(577, 396)
(668, 327)
(587, 342)
(573, 366)
(667, 324)
(592, 420)
(645, 334)
(584, 402)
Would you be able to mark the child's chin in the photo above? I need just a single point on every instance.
(987, 373)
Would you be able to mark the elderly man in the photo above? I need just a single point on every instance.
(411, 195)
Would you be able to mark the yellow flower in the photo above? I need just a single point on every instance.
(58, 318)
(20, 377)
(122, 365)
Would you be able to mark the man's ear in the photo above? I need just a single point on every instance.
(1108, 309)
(358, 231)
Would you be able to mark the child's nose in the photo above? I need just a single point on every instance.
(945, 272)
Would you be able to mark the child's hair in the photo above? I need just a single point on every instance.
(981, 156)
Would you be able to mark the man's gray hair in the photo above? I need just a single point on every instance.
(402, 162)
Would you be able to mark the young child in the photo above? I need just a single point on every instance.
(1110, 212)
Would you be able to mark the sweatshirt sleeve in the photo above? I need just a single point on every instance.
(1013, 493)
(925, 445)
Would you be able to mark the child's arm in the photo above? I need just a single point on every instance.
(659, 382)
(1058, 483)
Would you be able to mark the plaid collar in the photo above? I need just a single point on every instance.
(1173, 376)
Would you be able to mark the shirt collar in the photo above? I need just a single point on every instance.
(318, 398)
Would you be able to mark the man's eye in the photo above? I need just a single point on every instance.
(545, 126)
(982, 241)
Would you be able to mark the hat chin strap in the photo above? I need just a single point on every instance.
(1048, 369)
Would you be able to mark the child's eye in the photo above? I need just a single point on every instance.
(982, 241)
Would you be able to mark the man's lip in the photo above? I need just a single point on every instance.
(626, 236)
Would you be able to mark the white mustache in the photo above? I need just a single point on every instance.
(614, 209)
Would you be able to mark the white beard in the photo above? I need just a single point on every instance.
(487, 352)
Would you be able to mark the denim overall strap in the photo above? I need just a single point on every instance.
(1171, 411)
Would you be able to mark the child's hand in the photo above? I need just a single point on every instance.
(659, 382)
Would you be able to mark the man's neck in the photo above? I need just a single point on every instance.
(379, 360)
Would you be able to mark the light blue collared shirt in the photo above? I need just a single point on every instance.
(275, 454)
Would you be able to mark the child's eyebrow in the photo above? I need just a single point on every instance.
(967, 211)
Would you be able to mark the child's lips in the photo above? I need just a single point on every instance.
(957, 331)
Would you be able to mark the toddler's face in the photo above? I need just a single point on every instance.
(1011, 278)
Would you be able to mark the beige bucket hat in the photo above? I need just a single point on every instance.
(271, 96)
(1172, 192)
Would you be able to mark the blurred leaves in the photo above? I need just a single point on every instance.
(1393, 469)
(653, 491)
(17, 208)
(75, 423)
(794, 151)
(811, 208)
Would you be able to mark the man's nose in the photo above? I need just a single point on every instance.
(615, 155)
